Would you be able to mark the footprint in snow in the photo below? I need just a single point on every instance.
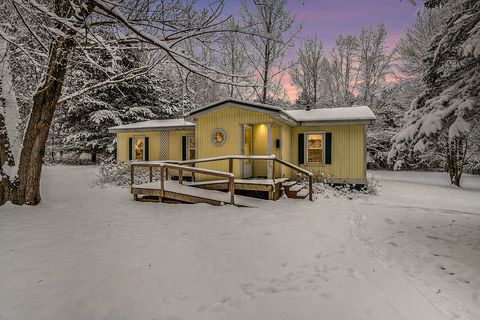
(389, 221)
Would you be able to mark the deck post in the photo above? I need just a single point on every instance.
(310, 188)
(273, 173)
(230, 165)
(151, 174)
(166, 173)
(132, 175)
(180, 176)
(162, 182)
(231, 188)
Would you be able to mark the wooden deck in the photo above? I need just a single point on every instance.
(209, 191)
(190, 194)
(269, 186)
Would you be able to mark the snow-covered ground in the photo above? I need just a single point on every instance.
(410, 252)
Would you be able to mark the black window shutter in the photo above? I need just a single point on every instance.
(147, 155)
(301, 148)
(184, 147)
(130, 148)
(328, 148)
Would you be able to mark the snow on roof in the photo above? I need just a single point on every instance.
(240, 102)
(164, 124)
(355, 113)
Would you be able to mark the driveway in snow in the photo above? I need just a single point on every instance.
(86, 252)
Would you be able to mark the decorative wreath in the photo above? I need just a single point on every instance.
(218, 137)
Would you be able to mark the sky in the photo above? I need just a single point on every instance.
(329, 18)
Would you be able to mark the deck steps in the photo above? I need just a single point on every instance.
(293, 190)
(302, 194)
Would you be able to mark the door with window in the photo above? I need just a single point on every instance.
(138, 148)
(247, 150)
(190, 147)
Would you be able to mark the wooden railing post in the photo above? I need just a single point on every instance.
(151, 174)
(231, 187)
(230, 165)
(180, 176)
(310, 188)
(162, 182)
(193, 173)
(166, 173)
(273, 172)
(132, 175)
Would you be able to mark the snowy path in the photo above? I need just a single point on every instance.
(91, 253)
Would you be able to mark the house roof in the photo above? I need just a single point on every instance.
(351, 115)
(257, 105)
(165, 124)
(348, 114)
(355, 114)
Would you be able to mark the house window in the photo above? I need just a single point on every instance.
(314, 147)
(138, 148)
(191, 147)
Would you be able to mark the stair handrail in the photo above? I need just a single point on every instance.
(309, 174)
(164, 165)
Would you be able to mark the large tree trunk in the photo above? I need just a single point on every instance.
(36, 134)
(45, 101)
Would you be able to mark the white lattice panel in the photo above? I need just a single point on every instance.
(163, 145)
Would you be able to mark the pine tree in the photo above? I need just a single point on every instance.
(450, 103)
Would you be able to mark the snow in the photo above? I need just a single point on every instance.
(332, 114)
(154, 124)
(11, 113)
(410, 252)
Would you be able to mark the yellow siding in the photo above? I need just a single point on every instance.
(286, 148)
(276, 134)
(231, 120)
(174, 144)
(348, 152)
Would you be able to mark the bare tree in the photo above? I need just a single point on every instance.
(415, 42)
(341, 72)
(374, 62)
(269, 17)
(306, 71)
(56, 29)
(233, 59)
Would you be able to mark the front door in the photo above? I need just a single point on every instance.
(247, 150)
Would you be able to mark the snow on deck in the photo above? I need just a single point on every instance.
(174, 186)
(265, 182)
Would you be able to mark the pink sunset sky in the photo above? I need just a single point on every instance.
(328, 18)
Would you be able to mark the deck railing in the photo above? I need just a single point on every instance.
(164, 166)
(189, 166)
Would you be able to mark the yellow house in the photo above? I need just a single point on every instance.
(330, 142)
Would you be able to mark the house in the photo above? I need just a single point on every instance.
(331, 142)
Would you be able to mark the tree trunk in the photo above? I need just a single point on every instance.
(45, 101)
(456, 151)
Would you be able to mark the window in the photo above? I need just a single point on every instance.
(314, 147)
(191, 147)
(138, 148)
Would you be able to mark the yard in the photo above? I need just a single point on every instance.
(86, 252)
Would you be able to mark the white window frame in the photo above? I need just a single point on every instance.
(134, 138)
(188, 146)
(305, 147)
